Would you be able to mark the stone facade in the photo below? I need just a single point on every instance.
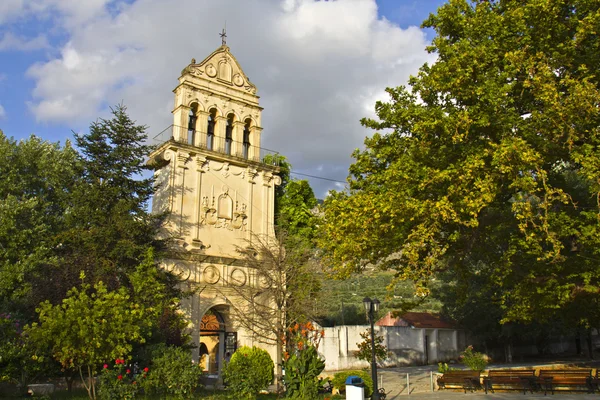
(217, 186)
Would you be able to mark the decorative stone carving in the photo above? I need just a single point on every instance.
(211, 70)
(195, 71)
(252, 173)
(238, 80)
(202, 164)
(264, 281)
(182, 159)
(224, 168)
(237, 277)
(211, 274)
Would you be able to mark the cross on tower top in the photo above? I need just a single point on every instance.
(223, 35)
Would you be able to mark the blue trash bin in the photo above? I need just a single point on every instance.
(355, 388)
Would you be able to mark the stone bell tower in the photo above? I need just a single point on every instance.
(217, 186)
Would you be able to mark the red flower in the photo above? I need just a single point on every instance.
(146, 369)
(134, 383)
(105, 366)
(120, 377)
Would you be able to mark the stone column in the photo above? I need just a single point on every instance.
(238, 138)
(181, 115)
(220, 126)
(201, 128)
(182, 158)
(254, 153)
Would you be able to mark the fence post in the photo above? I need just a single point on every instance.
(408, 384)
(431, 380)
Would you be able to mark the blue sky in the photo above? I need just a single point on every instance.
(319, 65)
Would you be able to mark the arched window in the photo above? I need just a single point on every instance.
(246, 142)
(191, 136)
(229, 134)
(210, 131)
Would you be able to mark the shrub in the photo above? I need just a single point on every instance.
(302, 374)
(249, 371)
(473, 360)
(120, 381)
(172, 373)
(444, 367)
(339, 381)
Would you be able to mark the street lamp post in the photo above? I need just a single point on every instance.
(371, 307)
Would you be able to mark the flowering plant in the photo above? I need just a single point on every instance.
(121, 381)
(473, 360)
(302, 361)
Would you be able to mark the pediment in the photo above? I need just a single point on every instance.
(222, 67)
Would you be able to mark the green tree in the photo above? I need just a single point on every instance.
(108, 227)
(364, 351)
(488, 156)
(91, 326)
(36, 179)
(297, 209)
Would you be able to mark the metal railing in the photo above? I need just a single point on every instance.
(220, 145)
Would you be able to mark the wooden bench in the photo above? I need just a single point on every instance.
(510, 379)
(467, 380)
(550, 379)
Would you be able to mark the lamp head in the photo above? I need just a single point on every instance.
(367, 304)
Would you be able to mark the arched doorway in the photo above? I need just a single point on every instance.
(215, 342)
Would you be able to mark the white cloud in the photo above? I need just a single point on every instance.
(318, 65)
(2, 112)
(12, 42)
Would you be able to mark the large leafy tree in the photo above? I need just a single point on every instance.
(36, 179)
(489, 157)
(108, 229)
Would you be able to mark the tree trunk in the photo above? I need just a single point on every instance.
(508, 352)
(589, 343)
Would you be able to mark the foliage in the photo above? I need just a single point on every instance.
(444, 367)
(486, 158)
(249, 371)
(473, 360)
(21, 359)
(339, 381)
(37, 177)
(172, 373)
(90, 325)
(120, 381)
(364, 351)
(296, 209)
(302, 362)
(108, 229)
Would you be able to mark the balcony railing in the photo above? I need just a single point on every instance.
(220, 145)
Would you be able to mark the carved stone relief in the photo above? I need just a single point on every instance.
(223, 212)
(237, 277)
(211, 70)
(211, 274)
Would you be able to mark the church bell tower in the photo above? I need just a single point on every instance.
(217, 186)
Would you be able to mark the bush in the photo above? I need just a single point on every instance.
(473, 360)
(249, 371)
(172, 373)
(444, 367)
(339, 381)
(120, 382)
